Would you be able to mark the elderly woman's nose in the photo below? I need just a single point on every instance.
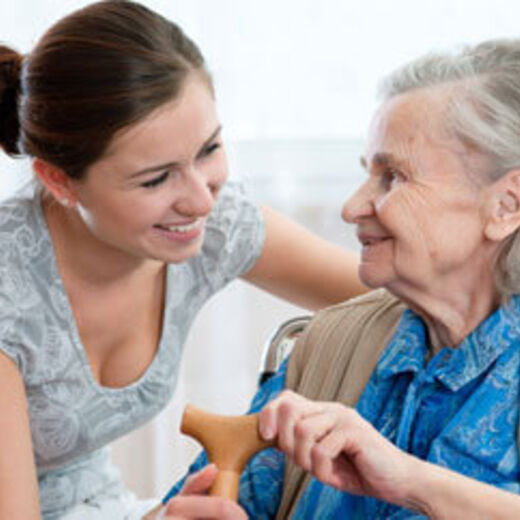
(358, 205)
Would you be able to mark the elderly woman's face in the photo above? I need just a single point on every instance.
(419, 215)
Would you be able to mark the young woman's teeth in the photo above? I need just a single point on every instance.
(182, 229)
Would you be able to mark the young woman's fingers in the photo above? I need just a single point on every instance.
(203, 507)
(201, 481)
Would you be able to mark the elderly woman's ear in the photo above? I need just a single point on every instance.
(503, 210)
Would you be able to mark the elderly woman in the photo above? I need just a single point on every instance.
(432, 362)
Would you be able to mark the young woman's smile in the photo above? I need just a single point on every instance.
(181, 232)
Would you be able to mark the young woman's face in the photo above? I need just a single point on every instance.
(151, 193)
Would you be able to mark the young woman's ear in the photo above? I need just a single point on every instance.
(503, 217)
(55, 181)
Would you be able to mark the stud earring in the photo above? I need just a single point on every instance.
(65, 201)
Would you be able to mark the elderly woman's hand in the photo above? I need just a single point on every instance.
(338, 446)
(193, 503)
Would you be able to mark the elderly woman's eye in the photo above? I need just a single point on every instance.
(392, 177)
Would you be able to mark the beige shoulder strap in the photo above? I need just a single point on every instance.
(333, 361)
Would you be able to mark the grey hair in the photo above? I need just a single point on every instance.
(483, 110)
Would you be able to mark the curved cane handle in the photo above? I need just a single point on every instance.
(229, 441)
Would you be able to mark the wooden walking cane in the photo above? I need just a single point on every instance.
(229, 441)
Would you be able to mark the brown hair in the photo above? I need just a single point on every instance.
(94, 72)
(10, 64)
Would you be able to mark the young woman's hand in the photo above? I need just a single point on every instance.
(336, 445)
(193, 503)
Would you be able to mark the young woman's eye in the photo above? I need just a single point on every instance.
(156, 181)
(210, 149)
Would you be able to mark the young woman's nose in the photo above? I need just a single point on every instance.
(360, 204)
(198, 194)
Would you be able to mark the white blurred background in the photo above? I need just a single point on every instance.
(296, 84)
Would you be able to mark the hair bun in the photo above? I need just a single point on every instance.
(10, 67)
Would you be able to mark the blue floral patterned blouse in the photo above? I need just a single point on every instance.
(458, 409)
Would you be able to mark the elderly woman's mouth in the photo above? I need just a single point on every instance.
(370, 240)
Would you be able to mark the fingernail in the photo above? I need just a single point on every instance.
(266, 432)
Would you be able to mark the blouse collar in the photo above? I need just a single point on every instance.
(407, 350)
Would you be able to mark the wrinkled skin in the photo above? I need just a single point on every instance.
(337, 446)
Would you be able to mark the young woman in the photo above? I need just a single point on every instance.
(131, 229)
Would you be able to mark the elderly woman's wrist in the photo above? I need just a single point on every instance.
(416, 494)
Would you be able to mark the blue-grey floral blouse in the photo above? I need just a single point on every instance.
(458, 409)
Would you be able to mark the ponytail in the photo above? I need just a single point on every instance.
(10, 69)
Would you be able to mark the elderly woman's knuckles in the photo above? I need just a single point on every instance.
(321, 464)
(289, 411)
(307, 430)
(285, 441)
(344, 416)
(340, 441)
(278, 406)
(288, 398)
(302, 455)
(305, 438)
(341, 410)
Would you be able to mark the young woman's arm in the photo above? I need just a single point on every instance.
(303, 268)
(19, 497)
